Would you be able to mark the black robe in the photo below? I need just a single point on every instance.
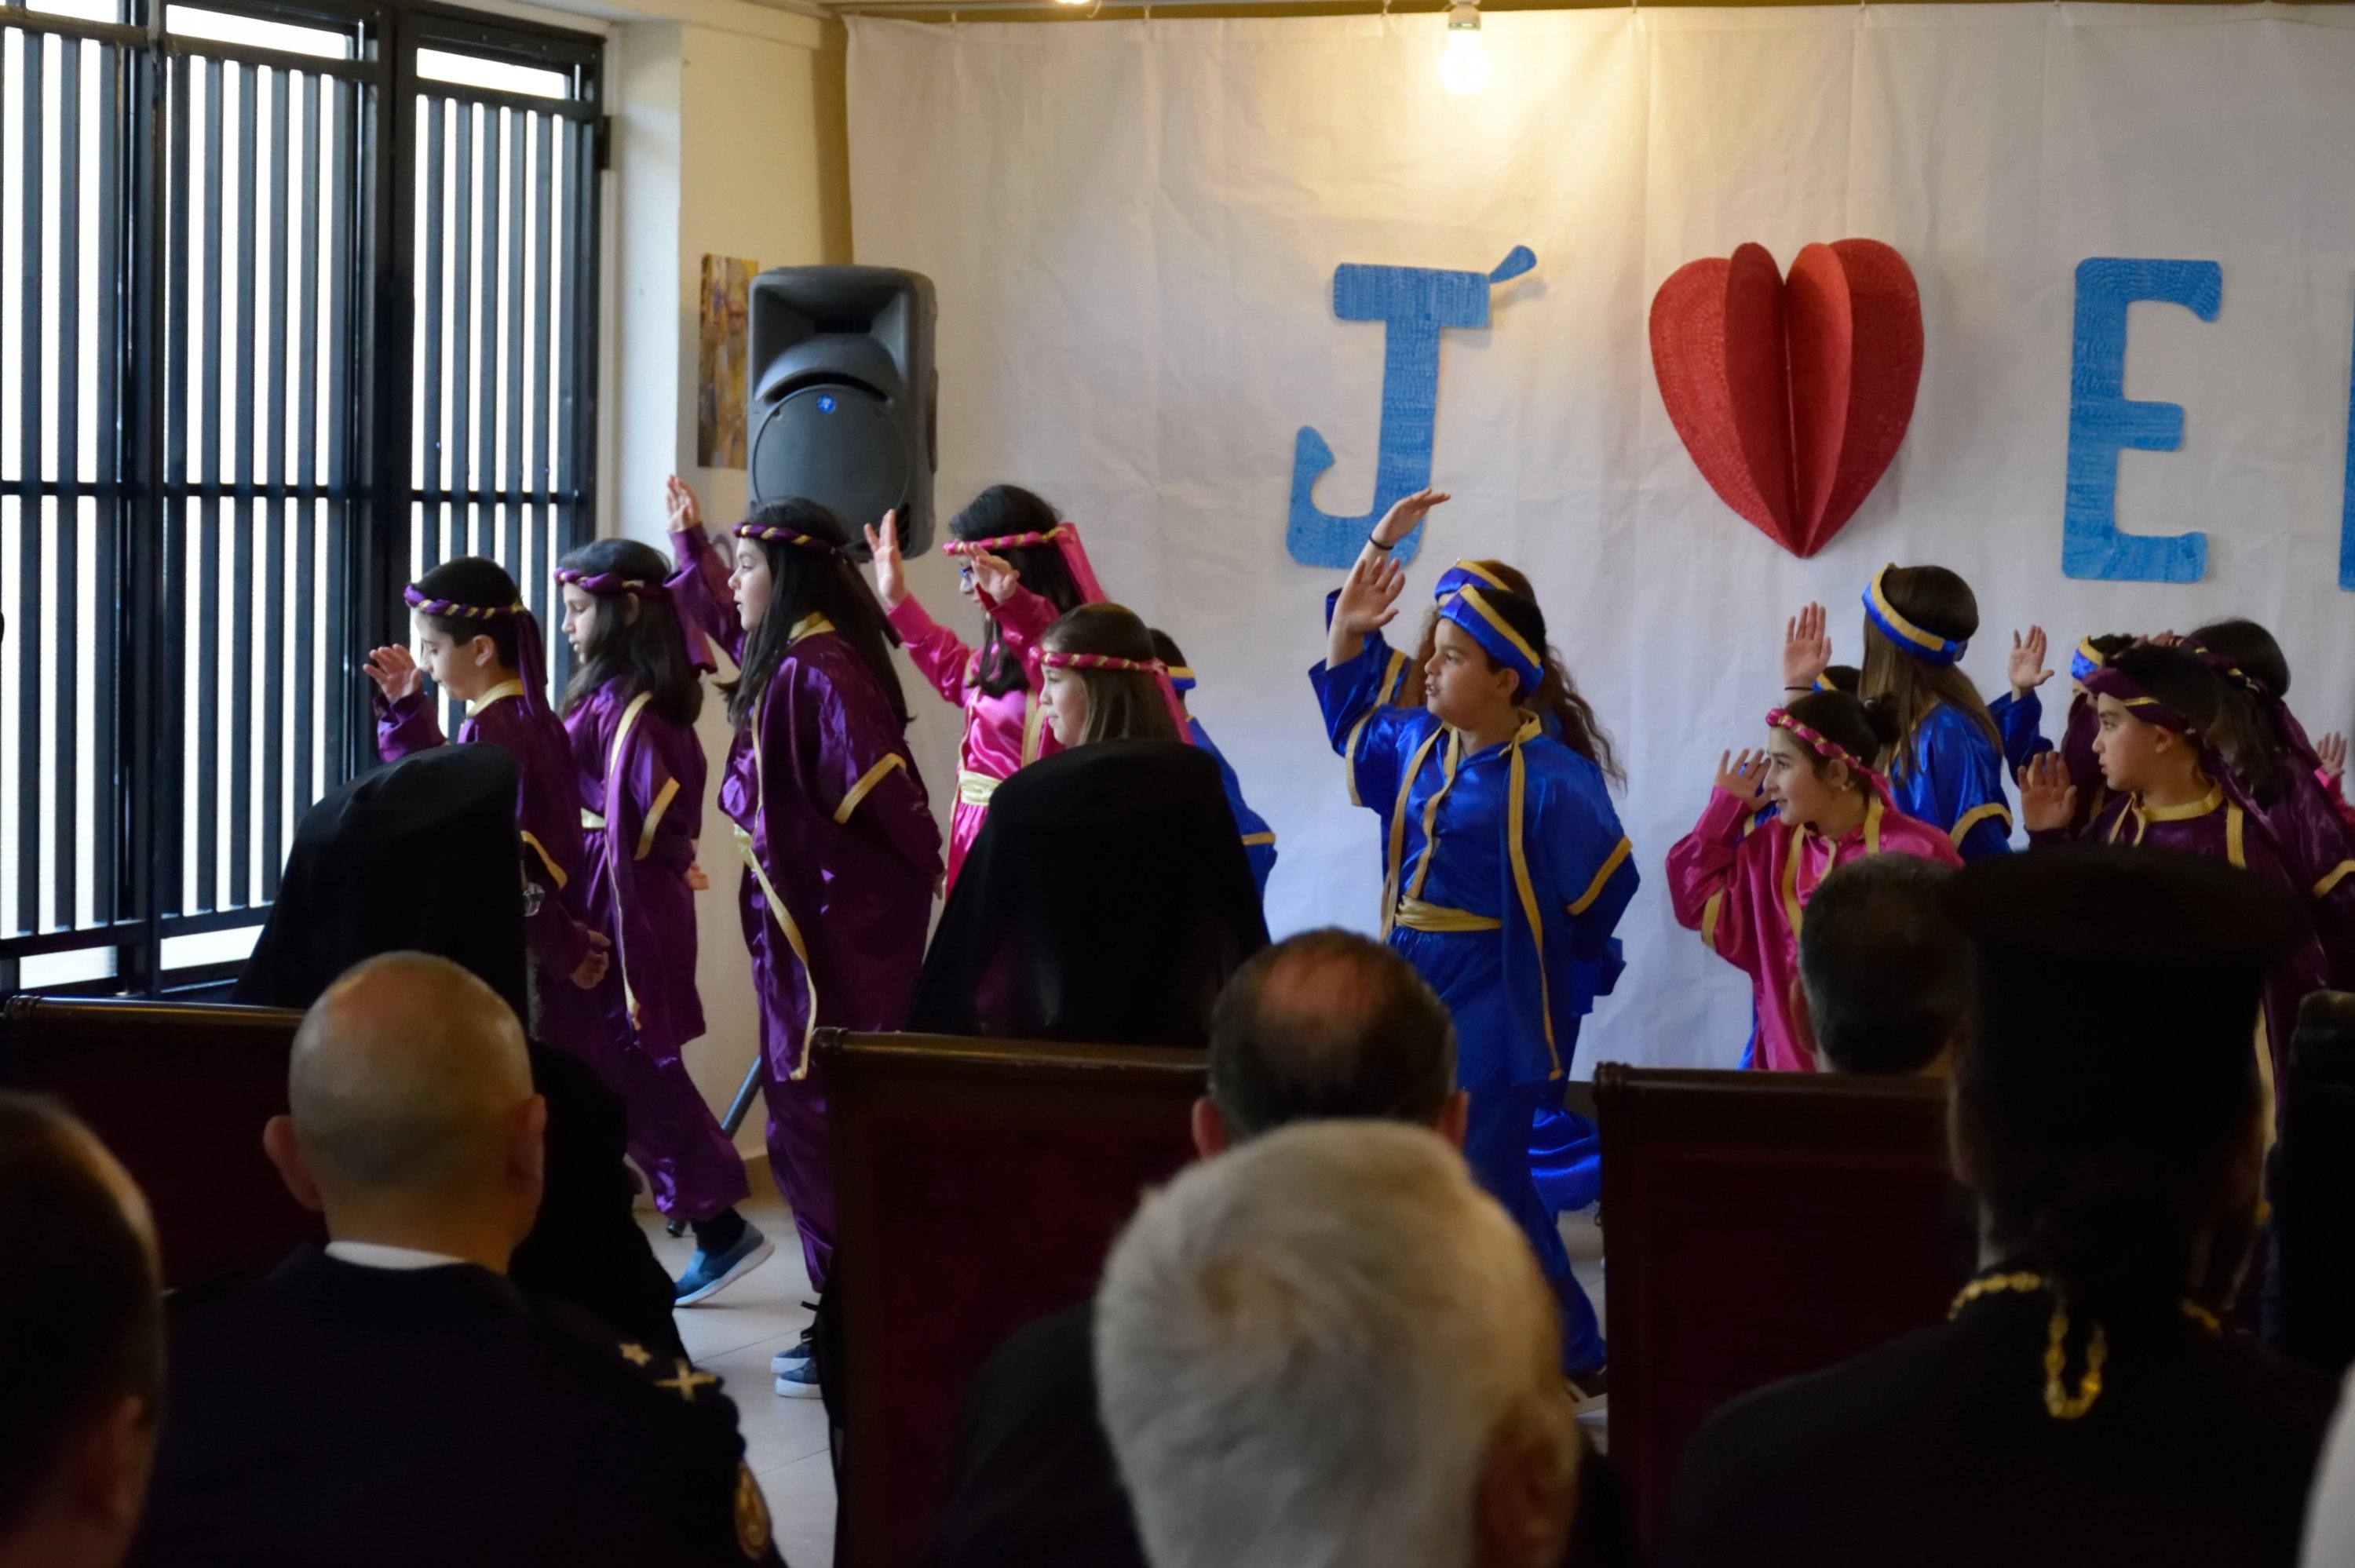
(1935, 1452)
(1107, 900)
(424, 856)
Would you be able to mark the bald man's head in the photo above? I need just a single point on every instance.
(408, 1078)
(1330, 1024)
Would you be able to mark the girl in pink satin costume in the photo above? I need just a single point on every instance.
(1025, 568)
(1745, 891)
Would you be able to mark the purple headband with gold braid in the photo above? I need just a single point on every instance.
(531, 647)
(772, 532)
(2294, 738)
(606, 583)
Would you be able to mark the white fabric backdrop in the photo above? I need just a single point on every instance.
(1133, 229)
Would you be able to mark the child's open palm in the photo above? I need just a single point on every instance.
(2047, 799)
(395, 672)
(891, 577)
(1807, 649)
(1742, 775)
(1368, 599)
(686, 512)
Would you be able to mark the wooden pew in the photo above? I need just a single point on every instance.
(1760, 1225)
(179, 1092)
(979, 1184)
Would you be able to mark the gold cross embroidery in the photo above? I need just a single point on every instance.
(635, 1355)
(687, 1381)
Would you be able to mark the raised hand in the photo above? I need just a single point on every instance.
(891, 580)
(2331, 750)
(998, 581)
(2047, 800)
(593, 968)
(1742, 775)
(1400, 519)
(686, 512)
(1807, 650)
(395, 672)
(1368, 599)
(2027, 663)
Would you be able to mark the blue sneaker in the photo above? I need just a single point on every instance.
(784, 1361)
(708, 1274)
(800, 1383)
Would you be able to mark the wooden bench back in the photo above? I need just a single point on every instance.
(979, 1184)
(1759, 1226)
(179, 1092)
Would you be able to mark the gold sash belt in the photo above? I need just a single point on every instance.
(1416, 915)
(592, 821)
(975, 788)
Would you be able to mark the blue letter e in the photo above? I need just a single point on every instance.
(2103, 421)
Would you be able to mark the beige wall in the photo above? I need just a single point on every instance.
(727, 143)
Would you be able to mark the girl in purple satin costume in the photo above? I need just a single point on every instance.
(1013, 539)
(484, 648)
(2169, 789)
(631, 712)
(840, 850)
(2286, 779)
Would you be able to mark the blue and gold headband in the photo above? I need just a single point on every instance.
(1181, 678)
(1915, 642)
(1470, 609)
(1464, 575)
(2085, 660)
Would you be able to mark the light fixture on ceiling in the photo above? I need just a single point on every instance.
(1464, 63)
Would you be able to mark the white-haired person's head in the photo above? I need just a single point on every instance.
(1329, 1348)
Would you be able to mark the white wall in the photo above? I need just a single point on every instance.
(729, 142)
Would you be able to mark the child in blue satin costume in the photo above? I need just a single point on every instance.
(1506, 867)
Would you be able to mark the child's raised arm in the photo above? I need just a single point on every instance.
(1806, 650)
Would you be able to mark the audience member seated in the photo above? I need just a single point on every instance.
(81, 1343)
(395, 1399)
(2082, 1405)
(1327, 1024)
(1884, 978)
(1331, 1347)
(421, 856)
(1108, 898)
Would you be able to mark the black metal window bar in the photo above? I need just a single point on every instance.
(219, 227)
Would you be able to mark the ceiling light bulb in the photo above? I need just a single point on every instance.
(1464, 63)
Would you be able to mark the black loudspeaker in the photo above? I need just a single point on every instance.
(840, 393)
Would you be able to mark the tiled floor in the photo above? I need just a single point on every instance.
(734, 1336)
(784, 1439)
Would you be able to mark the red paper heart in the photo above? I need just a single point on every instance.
(1791, 394)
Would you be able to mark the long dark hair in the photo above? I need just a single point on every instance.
(1938, 601)
(803, 582)
(1862, 729)
(1001, 510)
(1122, 704)
(633, 643)
(1557, 694)
(2247, 731)
(483, 583)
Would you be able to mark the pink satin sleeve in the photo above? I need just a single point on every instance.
(940, 655)
(1703, 869)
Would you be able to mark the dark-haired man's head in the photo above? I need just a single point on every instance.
(1884, 978)
(1323, 1025)
(81, 1343)
(2107, 1110)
